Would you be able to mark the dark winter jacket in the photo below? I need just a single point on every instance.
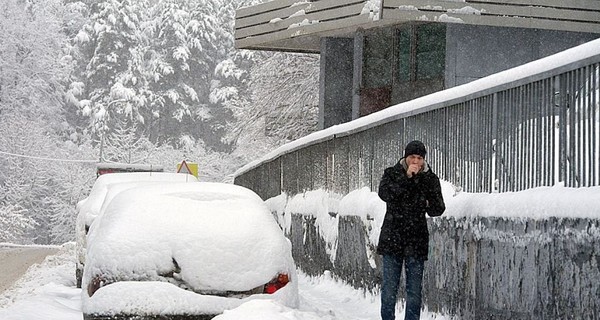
(404, 231)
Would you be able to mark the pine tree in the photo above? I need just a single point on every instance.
(108, 87)
(189, 41)
(125, 145)
(153, 62)
(13, 222)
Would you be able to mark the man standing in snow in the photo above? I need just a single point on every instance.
(410, 189)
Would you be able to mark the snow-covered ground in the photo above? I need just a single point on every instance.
(47, 292)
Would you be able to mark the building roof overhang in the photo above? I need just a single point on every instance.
(298, 26)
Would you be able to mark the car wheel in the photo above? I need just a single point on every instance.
(78, 276)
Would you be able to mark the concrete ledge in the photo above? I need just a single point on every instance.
(478, 268)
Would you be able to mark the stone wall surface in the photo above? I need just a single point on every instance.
(478, 267)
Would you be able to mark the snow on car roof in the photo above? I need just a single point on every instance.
(220, 235)
(90, 206)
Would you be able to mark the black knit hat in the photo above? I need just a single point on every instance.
(415, 147)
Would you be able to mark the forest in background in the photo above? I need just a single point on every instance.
(132, 81)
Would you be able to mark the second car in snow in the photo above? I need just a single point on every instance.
(178, 251)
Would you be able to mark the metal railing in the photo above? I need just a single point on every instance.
(537, 130)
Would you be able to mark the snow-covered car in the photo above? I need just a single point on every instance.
(103, 190)
(189, 251)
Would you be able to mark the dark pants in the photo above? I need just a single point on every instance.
(392, 268)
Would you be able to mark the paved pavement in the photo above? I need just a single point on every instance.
(15, 260)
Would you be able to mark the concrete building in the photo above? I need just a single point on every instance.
(378, 53)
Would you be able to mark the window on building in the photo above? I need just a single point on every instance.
(420, 52)
(430, 51)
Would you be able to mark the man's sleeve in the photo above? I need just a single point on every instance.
(436, 200)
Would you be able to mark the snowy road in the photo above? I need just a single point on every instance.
(47, 292)
(334, 300)
(14, 262)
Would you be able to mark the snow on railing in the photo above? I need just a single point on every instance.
(533, 125)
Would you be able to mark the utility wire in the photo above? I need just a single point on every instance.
(44, 158)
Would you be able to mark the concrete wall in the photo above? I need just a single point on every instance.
(473, 52)
(479, 268)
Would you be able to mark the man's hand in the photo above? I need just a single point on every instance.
(412, 170)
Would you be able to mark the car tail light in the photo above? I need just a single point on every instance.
(277, 283)
(96, 283)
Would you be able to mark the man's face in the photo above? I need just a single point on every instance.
(415, 159)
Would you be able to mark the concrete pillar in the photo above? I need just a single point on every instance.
(359, 43)
(335, 83)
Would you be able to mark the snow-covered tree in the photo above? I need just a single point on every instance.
(14, 223)
(73, 183)
(273, 97)
(33, 182)
(124, 144)
(33, 64)
(108, 87)
(153, 62)
(156, 81)
(212, 165)
(189, 40)
(285, 90)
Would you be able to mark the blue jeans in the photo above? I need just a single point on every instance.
(392, 268)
